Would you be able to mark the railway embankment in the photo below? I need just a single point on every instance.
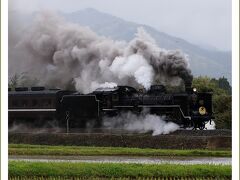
(218, 139)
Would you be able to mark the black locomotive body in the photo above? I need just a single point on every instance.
(74, 110)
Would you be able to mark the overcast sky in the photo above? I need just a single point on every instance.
(203, 22)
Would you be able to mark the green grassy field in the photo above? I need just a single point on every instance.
(24, 149)
(110, 170)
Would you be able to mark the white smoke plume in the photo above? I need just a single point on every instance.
(141, 123)
(62, 54)
(96, 85)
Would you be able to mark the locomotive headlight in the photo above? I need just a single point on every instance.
(194, 89)
(202, 110)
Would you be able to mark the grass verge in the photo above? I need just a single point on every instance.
(25, 149)
(109, 170)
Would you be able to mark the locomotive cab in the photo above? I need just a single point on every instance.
(113, 100)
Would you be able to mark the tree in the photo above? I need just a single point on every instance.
(205, 84)
(13, 81)
(224, 84)
(22, 79)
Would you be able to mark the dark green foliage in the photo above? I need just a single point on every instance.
(223, 83)
(223, 110)
(222, 99)
(204, 84)
(113, 178)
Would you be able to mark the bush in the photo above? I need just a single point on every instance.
(223, 111)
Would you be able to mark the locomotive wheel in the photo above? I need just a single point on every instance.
(202, 126)
(196, 125)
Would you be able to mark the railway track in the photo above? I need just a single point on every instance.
(103, 131)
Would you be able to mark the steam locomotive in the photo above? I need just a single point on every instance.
(37, 106)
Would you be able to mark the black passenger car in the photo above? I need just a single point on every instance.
(35, 106)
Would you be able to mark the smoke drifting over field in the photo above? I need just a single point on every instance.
(62, 54)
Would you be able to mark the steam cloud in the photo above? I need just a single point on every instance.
(61, 54)
(210, 126)
(49, 126)
(141, 123)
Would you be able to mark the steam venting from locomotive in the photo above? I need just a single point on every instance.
(142, 123)
(62, 54)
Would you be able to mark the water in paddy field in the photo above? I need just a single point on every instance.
(127, 159)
